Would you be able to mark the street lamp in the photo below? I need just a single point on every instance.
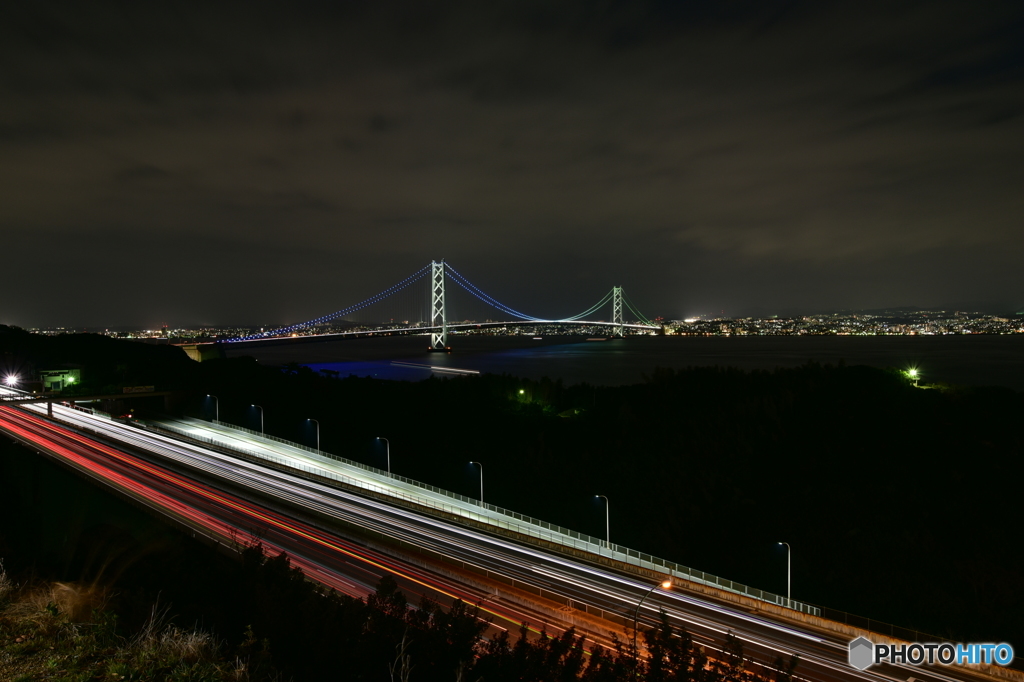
(261, 418)
(789, 565)
(481, 481)
(913, 374)
(607, 522)
(387, 449)
(636, 617)
(317, 433)
(216, 407)
(11, 379)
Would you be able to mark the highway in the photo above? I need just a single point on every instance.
(348, 541)
(229, 519)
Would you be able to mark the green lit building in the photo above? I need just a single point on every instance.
(59, 379)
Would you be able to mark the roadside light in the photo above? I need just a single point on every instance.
(636, 616)
(11, 379)
(521, 391)
(71, 380)
(912, 373)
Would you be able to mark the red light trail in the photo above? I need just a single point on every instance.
(87, 454)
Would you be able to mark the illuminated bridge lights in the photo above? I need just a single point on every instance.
(463, 283)
(283, 331)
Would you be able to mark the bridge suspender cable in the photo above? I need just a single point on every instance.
(493, 302)
(593, 308)
(490, 300)
(636, 312)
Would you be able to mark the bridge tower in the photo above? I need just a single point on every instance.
(438, 318)
(617, 309)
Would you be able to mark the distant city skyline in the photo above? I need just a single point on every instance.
(895, 322)
(202, 165)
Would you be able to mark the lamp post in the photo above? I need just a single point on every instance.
(789, 565)
(387, 449)
(261, 419)
(481, 481)
(607, 521)
(317, 433)
(913, 374)
(636, 622)
(216, 407)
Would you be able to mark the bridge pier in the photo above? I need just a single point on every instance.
(203, 351)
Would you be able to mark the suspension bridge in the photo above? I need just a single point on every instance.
(438, 274)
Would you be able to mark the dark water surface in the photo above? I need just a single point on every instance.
(965, 360)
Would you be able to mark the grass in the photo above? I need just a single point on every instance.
(64, 633)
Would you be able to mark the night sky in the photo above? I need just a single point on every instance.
(203, 163)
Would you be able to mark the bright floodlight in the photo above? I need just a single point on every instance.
(912, 373)
(521, 391)
(11, 379)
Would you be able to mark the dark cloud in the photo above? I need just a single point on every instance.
(141, 173)
(750, 156)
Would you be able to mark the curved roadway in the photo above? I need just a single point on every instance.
(229, 499)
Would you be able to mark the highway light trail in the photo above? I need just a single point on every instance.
(166, 504)
(75, 449)
(512, 582)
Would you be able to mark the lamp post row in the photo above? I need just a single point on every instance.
(607, 505)
(668, 584)
(608, 544)
(216, 417)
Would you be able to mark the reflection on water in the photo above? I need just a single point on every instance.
(970, 360)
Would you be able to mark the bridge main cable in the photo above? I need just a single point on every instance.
(493, 302)
(419, 274)
(593, 308)
(490, 300)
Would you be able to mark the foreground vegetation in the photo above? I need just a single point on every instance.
(65, 632)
